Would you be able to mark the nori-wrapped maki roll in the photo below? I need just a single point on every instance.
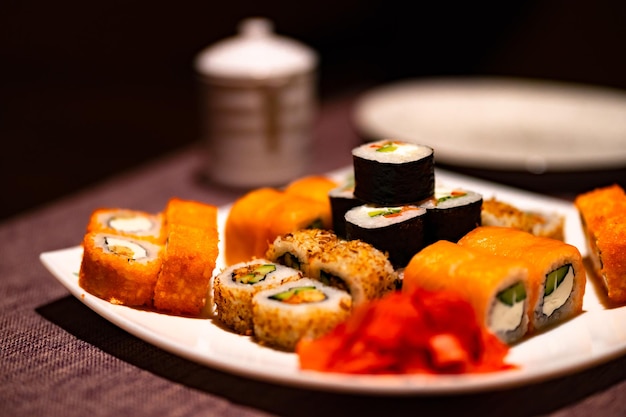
(396, 230)
(342, 199)
(393, 173)
(451, 214)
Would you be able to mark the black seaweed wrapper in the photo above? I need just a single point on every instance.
(452, 223)
(400, 240)
(394, 184)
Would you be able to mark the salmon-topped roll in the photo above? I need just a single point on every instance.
(495, 286)
(244, 231)
(292, 214)
(557, 274)
(315, 187)
(126, 222)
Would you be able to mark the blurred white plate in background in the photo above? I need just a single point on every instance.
(500, 123)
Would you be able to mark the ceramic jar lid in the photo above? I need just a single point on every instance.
(256, 52)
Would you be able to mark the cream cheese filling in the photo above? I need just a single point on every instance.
(505, 317)
(559, 296)
(130, 223)
(125, 247)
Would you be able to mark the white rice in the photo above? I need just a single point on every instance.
(404, 152)
(362, 216)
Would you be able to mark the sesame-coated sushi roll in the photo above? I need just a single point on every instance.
(298, 248)
(393, 172)
(132, 223)
(398, 231)
(300, 309)
(356, 267)
(540, 223)
(557, 274)
(451, 214)
(496, 286)
(189, 258)
(235, 286)
(119, 269)
(342, 199)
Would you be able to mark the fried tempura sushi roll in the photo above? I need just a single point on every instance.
(189, 257)
(603, 218)
(190, 213)
(356, 267)
(119, 269)
(557, 274)
(235, 286)
(397, 231)
(304, 308)
(245, 228)
(297, 249)
(132, 223)
(496, 286)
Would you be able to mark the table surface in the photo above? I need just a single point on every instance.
(58, 358)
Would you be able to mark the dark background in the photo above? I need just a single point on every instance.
(92, 89)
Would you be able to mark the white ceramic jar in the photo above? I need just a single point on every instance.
(258, 101)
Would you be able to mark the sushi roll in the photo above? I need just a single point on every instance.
(342, 199)
(499, 213)
(451, 213)
(557, 275)
(356, 267)
(392, 173)
(314, 187)
(244, 231)
(257, 218)
(300, 309)
(189, 258)
(190, 213)
(235, 286)
(496, 286)
(398, 231)
(297, 249)
(603, 218)
(132, 223)
(296, 213)
(119, 269)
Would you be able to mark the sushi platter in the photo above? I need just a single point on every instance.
(596, 336)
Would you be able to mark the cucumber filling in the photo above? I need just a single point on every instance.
(508, 309)
(300, 295)
(252, 274)
(290, 260)
(559, 285)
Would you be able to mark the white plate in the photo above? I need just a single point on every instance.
(595, 336)
(499, 123)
